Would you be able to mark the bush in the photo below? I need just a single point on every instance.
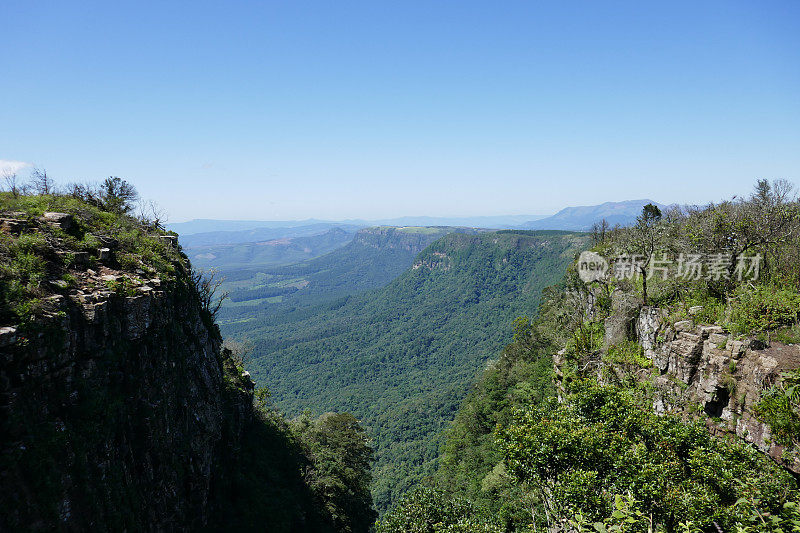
(780, 409)
(763, 308)
(606, 440)
(628, 353)
(428, 510)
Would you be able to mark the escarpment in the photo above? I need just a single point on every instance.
(119, 409)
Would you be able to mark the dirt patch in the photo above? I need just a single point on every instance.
(787, 355)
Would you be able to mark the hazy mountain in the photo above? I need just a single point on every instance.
(198, 226)
(205, 225)
(274, 252)
(372, 259)
(261, 234)
(581, 218)
(491, 222)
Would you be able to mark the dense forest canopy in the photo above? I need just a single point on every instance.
(402, 357)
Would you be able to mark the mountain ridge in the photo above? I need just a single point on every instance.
(581, 218)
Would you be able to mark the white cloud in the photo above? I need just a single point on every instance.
(11, 167)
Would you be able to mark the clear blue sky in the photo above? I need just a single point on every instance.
(285, 110)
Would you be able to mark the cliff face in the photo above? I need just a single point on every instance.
(697, 370)
(119, 410)
(703, 369)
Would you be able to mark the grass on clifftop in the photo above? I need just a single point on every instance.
(39, 258)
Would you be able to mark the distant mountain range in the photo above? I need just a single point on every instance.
(267, 252)
(261, 234)
(207, 232)
(581, 218)
(219, 227)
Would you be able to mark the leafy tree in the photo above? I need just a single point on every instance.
(606, 440)
(428, 510)
(117, 195)
(763, 223)
(339, 470)
(644, 240)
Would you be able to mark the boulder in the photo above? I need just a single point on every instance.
(12, 226)
(718, 339)
(63, 221)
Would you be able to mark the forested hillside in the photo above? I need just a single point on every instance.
(373, 258)
(636, 403)
(401, 357)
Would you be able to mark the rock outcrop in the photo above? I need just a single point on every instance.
(703, 369)
(118, 410)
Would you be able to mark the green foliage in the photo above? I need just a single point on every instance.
(763, 308)
(339, 471)
(586, 338)
(713, 308)
(471, 464)
(788, 335)
(780, 408)
(117, 195)
(628, 353)
(605, 440)
(626, 517)
(427, 510)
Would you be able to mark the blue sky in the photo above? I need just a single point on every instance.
(289, 110)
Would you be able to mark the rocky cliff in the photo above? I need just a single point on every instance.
(119, 410)
(696, 369)
(706, 370)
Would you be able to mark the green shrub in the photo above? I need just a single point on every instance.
(763, 308)
(428, 510)
(609, 438)
(628, 353)
(779, 407)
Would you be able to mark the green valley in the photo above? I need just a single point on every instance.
(373, 258)
(401, 357)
